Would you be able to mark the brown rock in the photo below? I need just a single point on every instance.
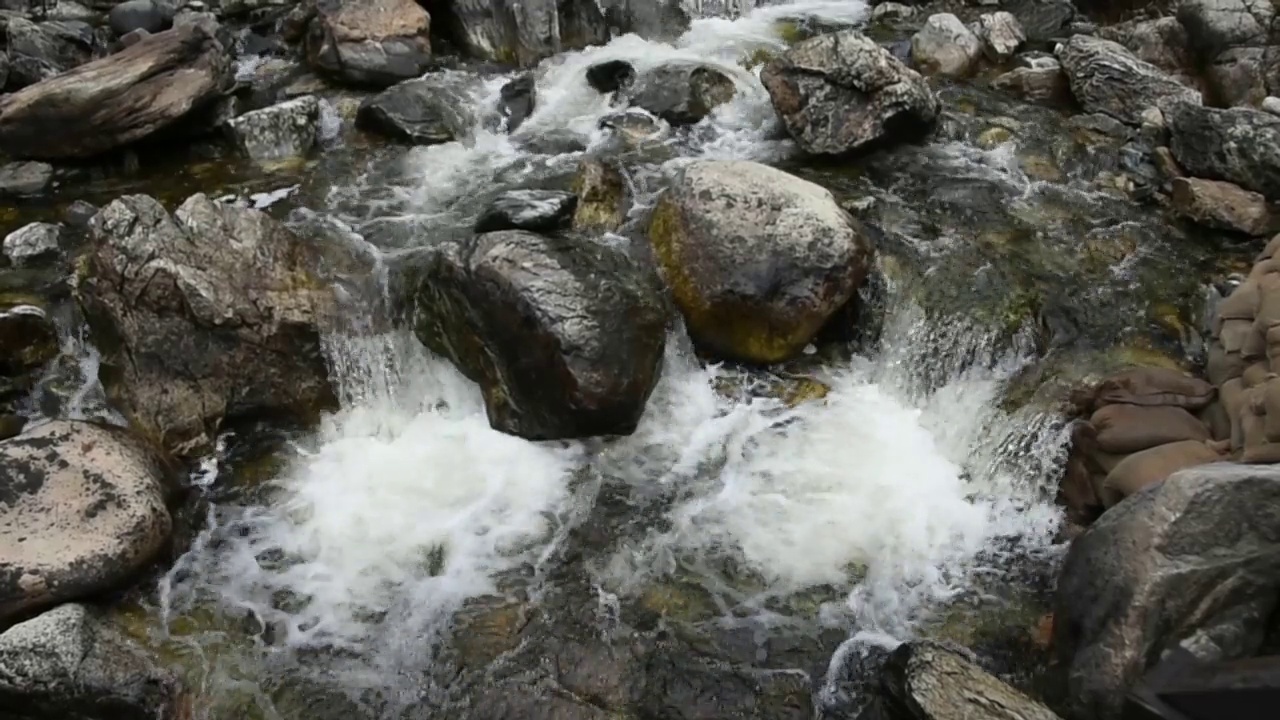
(1221, 206)
(370, 42)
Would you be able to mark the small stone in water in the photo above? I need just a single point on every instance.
(610, 76)
(25, 179)
(35, 242)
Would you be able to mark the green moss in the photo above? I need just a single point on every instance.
(680, 601)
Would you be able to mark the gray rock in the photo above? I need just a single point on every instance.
(69, 663)
(1162, 42)
(25, 179)
(281, 131)
(432, 109)
(1239, 145)
(1194, 561)
(28, 341)
(945, 46)
(369, 42)
(564, 336)
(152, 16)
(237, 8)
(1046, 83)
(4, 69)
(1221, 206)
(1271, 104)
(83, 510)
(79, 213)
(529, 31)
(39, 51)
(542, 211)
(1105, 77)
(681, 93)
(610, 76)
(1236, 77)
(70, 10)
(32, 243)
(1215, 25)
(650, 19)
(516, 101)
(602, 196)
(1042, 20)
(1001, 35)
(891, 11)
(840, 93)
(756, 259)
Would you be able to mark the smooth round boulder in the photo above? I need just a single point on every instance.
(146, 15)
(81, 511)
(756, 259)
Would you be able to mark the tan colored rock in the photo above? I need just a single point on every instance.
(1221, 205)
(602, 197)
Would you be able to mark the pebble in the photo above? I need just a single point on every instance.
(1272, 105)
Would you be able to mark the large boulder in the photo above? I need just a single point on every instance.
(1216, 25)
(1038, 79)
(945, 46)
(429, 110)
(1239, 145)
(1107, 78)
(81, 511)
(25, 179)
(840, 93)
(71, 663)
(1192, 562)
(651, 19)
(34, 243)
(286, 130)
(1221, 206)
(756, 259)
(1162, 42)
(39, 51)
(117, 100)
(212, 314)
(564, 336)
(369, 42)
(528, 31)
(681, 93)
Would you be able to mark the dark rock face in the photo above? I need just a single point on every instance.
(651, 19)
(1042, 20)
(564, 336)
(841, 93)
(681, 94)
(81, 510)
(430, 110)
(39, 51)
(1240, 145)
(516, 101)
(1107, 78)
(151, 16)
(369, 42)
(610, 76)
(527, 31)
(542, 211)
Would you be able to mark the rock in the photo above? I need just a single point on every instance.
(602, 196)
(78, 214)
(1107, 78)
(117, 100)
(564, 336)
(151, 16)
(1046, 83)
(4, 69)
(756, 259)
(83, 510)
(39, 51)
(663, 20)
(891, 11)
(1216, 25)
(281, 131)
(1101, 124)
(207, 316)
(28, 341)
(1236, 78)
(610, 76)
(1166, 165)
(1162, 42)
(529, 31)
(32, 244)
(541, 211)
(1042, 20)
(1239, 145)
(430, 110)
(25, 179)
(945, 46)
(134, 37)
(374, 43)
(1271, 104)
(634, 129)
(1193, 562)
(69, 663)
(516, 101)
(1001, 35)
(1221, 206)
(841, 93)
(934, 681)
(681, 93)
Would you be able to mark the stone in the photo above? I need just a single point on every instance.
(1162, 42)
(663, 20)
(945, 46)
(78, 214)
(118, 100)
(151, 16)
(842, 93)
(209, 315)
(1045, 84)
(541, 211)
(433, 109)
(70, 663)
(287, 130)
(610, 76)
(1236, 78)
(32, 244)
(28, 341)
(530, 31)
(681, 93)
(1166, 165)
(1192, 563)
(83, 510)
(1216, 25)
(39, 51)
(1239, 145)
(1221, 206)
(757, 260)
(1107, 78)
(1001, 35)
(891, 11)
(1042, 20)
(516, 101)
(25, 179)
(133, 37)
(375, 43)
(634, 129)
(4, 69)
(602, 195)
(1271, 104)
(564, 336)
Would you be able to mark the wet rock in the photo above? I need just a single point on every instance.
(945, 46)
(79, 213)
(1045, 83)
(1001, 35)
(369, 42)
(1105, 77)
(4, 69)
(842, 93)
(564, 336)
(936, 681)
(281, 131)
(681, 93)
(25, 179)
(430, 110)
(83, 511)
(1193, 562)
(756, 259)
(1236, 77)
(542, 211)
(209, 315)
(70, 663)
(516, 101)
(117, 100)
(1221, 206)
(634, 128)
(1042, 20)
(610, 76)
(650, 19)
(1215, 25)
(602, 196)
(1239, 145)
(891, 11)
(152, 16)
(28, 341)
(1101, 124)
(133, 37)
(1162, 42)
(32, 244)
(527, 32)
(1271, 104)
(39, 51)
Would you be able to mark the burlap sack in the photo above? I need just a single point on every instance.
(1144, 469)
(1154, 386)
(1216, 419)
(1124, 429)
(1273, 350)
(1269, 251)
(1241, 304)
(1255, 344)
(1233, 401)
(1268, 314)
(1258, 448)
(1255, 374)
(1223, 366)
(1234, 334)
(1271, 409)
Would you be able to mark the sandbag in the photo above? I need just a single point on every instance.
(1268, 315)
(1269, 251)
(1144, 469)
(1241, 304)
(1223, 366)
(1154, 386)
(1271, 409)
(1124, 429)
(1273, 347)
(1255, 374)
(1216, 419)
(1234, 334)
(1258, 449)
(1233, 401)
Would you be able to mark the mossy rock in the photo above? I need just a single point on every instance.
(602, 197)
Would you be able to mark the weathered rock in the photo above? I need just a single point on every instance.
(1235, 77)
(213, 314)
(602, 197)
(543, 211)
(945, 46)
(564, 336)
(1215, 25)
(25, 179)
(891, 11)
(433, 109)
(28, 340)
(516, 101)
(1193, 562)
(756, 259)
(529, 31)
(39, 51)
(1221, 206)
(152, 16)
(32, 243)
(78, 214)
(69, 663)
(681, 93)
(1105, 77)
(1045, 83)
(281, 131)
(1271, 104)
(4, 69)
(634, 128)
(117, 100)
(83, 511)
(841, 93)
(1239, 145)
(1001, 35)
(610, 76)
(650, 19)
(1162, 42)
(1042, 20)
(369, 42)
